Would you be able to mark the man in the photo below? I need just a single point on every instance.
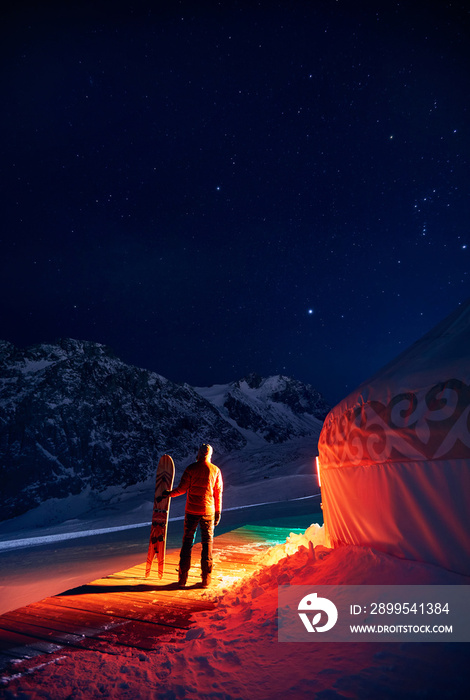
(202, 482)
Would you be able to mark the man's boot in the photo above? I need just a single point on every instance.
(206, 580)
(182, 578)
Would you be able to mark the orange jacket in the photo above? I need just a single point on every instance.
(202, 481)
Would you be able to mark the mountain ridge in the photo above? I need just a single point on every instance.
(74, 417)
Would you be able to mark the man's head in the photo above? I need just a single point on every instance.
(205, 452)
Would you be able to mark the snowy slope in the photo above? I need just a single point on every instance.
(275, 408)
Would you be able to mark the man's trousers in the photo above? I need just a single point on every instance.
(206, 525)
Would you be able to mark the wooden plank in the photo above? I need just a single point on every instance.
(118, 604)
(6, 658)
(124, 632)
(42, 631)
(21, 653)
(127, 609)
(171, 613)
(17, 642)
(34, 638)
(229, 559)
(58, 619)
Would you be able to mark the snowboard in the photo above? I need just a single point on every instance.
(161, 509)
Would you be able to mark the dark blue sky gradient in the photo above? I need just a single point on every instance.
(218, 188)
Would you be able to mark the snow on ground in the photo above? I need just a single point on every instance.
(49, 522)
(232, 651)
(253, 475)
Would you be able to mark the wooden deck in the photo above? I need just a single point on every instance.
(128, 610)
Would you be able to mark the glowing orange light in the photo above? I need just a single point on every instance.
(317, 462)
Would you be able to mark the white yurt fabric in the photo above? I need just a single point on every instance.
(394, 455)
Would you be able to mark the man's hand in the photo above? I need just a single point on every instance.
(216, 518)
(165, 493)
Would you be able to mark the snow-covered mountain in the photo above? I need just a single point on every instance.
(277, 408)
(74, 418)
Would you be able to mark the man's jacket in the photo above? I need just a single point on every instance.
(202, 481)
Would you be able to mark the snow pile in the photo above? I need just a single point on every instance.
(312, 537)
(233, 651)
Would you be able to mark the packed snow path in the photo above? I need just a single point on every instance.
(128, 610)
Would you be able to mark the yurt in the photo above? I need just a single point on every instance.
(394, 455)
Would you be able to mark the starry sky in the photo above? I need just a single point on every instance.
(216, 188)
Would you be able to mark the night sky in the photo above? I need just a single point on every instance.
(216, 188)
